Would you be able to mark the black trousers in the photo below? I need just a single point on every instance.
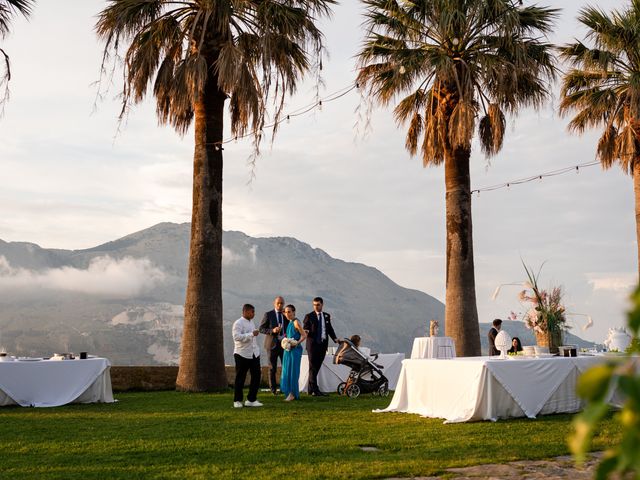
(316, 357)
(275, 353)
(244, 365)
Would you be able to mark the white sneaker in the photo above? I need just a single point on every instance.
(255, 403)
(237, 404)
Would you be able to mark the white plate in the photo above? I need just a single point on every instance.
(28, 359)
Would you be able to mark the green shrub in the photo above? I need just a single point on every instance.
(593, 386)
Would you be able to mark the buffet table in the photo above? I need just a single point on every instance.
(433, 347)
(485, 388)
(331, 375)
(51, 383)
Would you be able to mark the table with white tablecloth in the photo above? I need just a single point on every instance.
(433, 347)
(485, 388)
(51, 383)
(330, 375)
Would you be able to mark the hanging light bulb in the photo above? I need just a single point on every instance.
(288, 119)
(320, 105)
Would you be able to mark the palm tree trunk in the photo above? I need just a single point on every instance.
(636, 191)
(461, 313)
(202, 356)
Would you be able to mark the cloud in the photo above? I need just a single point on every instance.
(613, 282)
(229, 257)
(105, 276)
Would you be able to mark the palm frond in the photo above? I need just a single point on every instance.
(481, 51)
(491, 130)
(250, 52)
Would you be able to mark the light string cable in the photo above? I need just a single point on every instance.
(296, 113)
(539, 176)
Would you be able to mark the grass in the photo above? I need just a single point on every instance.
(178, 435)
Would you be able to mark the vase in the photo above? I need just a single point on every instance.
(549, 339)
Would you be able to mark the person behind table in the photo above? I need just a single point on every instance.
(290, 377)
(516, 345)
(319, 329)
(497, 325)
(246, 354)
(273, 326)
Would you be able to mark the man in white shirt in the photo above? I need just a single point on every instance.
(247, 357)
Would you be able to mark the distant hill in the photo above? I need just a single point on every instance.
(123, 299)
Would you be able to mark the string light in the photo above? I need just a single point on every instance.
(296, 113)
(355, 86)
(539, 177)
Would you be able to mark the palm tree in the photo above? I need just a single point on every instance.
(8, 9)
(196, 55)
(603, 87)
(454, 61)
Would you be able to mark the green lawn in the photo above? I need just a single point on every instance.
(177, 435)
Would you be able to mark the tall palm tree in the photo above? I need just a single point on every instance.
(454, 62)
(603, 88)
(196, 55)
(8, 10)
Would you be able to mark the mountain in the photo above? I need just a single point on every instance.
(123, 299)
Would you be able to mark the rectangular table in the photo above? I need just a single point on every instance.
(331, 375)
(486, 388)
(51, 383)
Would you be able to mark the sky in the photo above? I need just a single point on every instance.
(71, 177)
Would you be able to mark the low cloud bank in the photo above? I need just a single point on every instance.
(230, 257)
(616, 282)
(105, 276)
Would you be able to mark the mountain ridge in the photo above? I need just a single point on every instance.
(123, 298)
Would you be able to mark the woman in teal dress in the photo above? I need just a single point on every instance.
(292, 358)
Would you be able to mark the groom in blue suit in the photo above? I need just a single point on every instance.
(319, 329)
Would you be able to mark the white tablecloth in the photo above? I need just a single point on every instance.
(331, 375)
(433, 347)
(481, 388)
(51, 383)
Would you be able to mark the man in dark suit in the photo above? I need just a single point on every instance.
(274, 326)
(319, 329)
(497, 325)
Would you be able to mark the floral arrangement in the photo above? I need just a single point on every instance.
(289, 343)
(546, 314)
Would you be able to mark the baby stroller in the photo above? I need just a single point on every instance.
(365, 375)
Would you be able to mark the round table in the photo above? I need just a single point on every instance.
(433, 347)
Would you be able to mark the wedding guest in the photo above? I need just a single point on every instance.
(273, 326)
(319, 329)
(516, 345)
(497, 325)
(246, 354)
(293, 357)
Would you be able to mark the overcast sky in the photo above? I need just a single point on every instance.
(70, 180)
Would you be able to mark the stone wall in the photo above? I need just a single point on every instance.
(149, 378)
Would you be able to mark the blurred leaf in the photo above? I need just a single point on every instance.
(634, 314)
(606, 466)
(630, 386)
(584, 428)
(594, 383)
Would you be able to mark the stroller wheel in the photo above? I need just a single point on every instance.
(340, 388)
(383, 390)
(353, 390)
